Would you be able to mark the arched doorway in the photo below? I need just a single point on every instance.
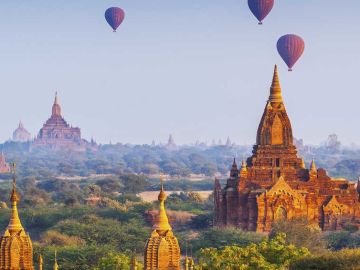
(280, 214)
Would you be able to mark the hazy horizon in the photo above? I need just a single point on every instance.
(199, 70)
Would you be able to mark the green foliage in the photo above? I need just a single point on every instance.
(300, 233)
(342, 239)
(113, 261)
(220, 237)
(271, 254)
(133, 184)
(188, 201)
(346, 259)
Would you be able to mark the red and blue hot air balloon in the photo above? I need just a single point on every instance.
(114, 16)
(260, 8)
(290, 48)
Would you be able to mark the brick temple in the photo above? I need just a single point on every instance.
(57, 134)
(274, 183)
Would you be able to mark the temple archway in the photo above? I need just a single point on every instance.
(280, 214)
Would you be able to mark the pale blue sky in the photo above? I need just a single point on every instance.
(197, 69)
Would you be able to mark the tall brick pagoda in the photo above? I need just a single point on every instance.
(57, 134)
(274, 183)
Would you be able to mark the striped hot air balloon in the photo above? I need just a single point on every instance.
(114, 16)
(260, 8)
(290, 48)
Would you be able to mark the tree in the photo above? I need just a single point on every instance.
(271, 254)
(133, 183)
(114, 261)
(301, 233)
(347, 259)
(109, 185)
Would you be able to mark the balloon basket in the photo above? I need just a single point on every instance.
(260, 23)
(290, 69)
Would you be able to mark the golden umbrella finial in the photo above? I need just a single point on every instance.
(275, 89)
(162, 223)
(15, 223)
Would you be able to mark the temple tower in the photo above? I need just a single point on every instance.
(274, 184)
(16, 251)
(162, 251)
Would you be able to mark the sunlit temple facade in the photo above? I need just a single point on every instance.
(275, 184)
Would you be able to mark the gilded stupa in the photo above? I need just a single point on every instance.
(16, 251)
(162, 251)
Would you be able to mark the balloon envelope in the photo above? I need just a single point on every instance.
(290, 48)
(260, 8)
(114, 16)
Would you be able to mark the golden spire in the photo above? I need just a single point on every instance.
(303, 165)
(56, 266)
(313, 166)
(40, 262)
(186, 258)
(162, 224)
(243, 166)
(15, 223)
(275, 89)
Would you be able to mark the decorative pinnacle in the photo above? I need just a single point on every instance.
(243, 165)
(15, 223)
(275, 89)
(313, 166)
(162, 224)
(14, 197)
(56, 101)
(56, 266)
(40, 260)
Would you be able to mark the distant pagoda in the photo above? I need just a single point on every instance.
(21, 134)
(162, 251)
(57, 134)
(171, 145)
(4, 166)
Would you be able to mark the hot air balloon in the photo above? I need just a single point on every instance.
(260, 8)
(114, 16)
(290, 48)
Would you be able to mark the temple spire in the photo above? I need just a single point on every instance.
(15, 223)
(275, 89)
(56, 266)
(56, 109)
(40, 262)
(234, 170)
(313, 166)
(162, 224)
